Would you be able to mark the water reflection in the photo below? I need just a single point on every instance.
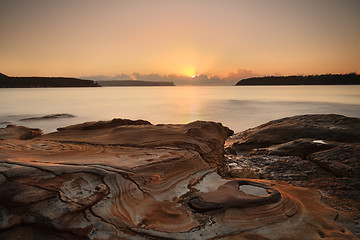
(236, 107)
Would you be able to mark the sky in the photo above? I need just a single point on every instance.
(186, 41)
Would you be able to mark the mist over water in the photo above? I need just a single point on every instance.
(238, 107)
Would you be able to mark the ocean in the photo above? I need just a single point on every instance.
(237, 107)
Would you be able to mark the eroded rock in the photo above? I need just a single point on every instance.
(300, 147)
(19, 132)
(105, 124)
(317, 151)
(342, 161)
(146, 182)
(285, 168)
(326, 127)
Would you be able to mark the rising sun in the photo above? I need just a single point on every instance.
(189, 72)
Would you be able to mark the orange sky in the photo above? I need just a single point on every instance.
(183, 37)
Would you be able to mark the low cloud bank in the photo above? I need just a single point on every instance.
(230, 79)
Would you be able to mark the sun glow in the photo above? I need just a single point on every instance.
(190, 72)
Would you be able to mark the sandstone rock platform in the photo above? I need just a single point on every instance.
(124, 179)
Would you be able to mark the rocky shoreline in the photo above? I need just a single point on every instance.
(292, 178)
(313, 151)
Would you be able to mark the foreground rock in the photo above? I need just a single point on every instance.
(126, 179)
(317, 151)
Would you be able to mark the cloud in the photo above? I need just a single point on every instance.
(150, 77)
(240, 74)
(230, 79)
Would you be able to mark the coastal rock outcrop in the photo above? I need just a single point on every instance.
(124, 179)
(104, 124)
(48, 117)
(327, 127)
(19, 132)
(317, 151)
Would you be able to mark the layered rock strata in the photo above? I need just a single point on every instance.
(126, 179)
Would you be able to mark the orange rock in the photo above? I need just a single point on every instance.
(138, 181)
(19, 132)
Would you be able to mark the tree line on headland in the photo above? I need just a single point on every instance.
(42, 82)
(325, 79)
(132, 83)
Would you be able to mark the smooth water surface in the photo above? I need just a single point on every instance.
(238, 107)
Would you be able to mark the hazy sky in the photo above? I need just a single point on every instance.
(181, 37)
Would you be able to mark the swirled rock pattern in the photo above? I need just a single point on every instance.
(134, 180)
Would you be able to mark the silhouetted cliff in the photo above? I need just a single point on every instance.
(40, 82)
(326, 79)
(133, 83)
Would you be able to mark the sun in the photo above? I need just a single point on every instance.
(190, 72)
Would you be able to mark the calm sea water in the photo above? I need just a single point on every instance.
(236, 107)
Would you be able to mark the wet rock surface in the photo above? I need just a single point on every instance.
(124, 179)
(316, 151)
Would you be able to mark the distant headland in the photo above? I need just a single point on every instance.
(129, 83)
(43, 82)
(325, 79)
